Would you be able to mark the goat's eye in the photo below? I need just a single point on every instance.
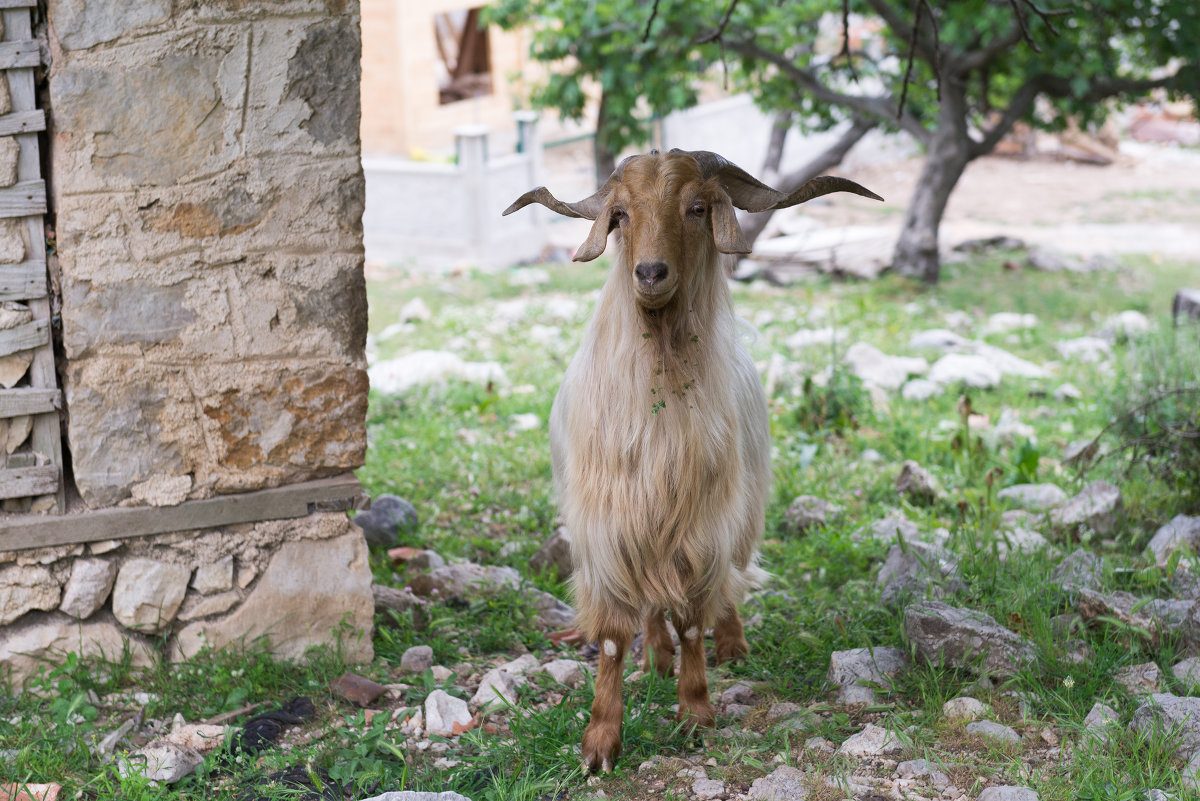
(617, 215)
(697, 209)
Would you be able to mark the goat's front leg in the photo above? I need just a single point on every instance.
(659, 650)
(602, 738)
(694, 706)
(729, 637)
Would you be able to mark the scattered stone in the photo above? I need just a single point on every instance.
(200, 606)
(26, 588)
(162, 490)
(1140, 679)
(871, 741)
(554, 553)
(1081, 570)
(200, 737)
(1155, 616)
(1164, 712)
(426, 560)
(553, 614)
(916, 482)
(921, 768)
(31, 643)
(876, 368)
(465, 579)
(389, 519)
(1187, 673)
(26, 791)
(990, 730)
(565, 671)
(965, 368)
(160, 761)
(147, 593)
(395, 376)
(893, 528)
(88, 588)
(705, 789)
(214, 576)
(738, 694)
(417, 659)
(807, 337)
(1034, 497)
(416, 310)
(1190, 775)
(1128, 324)
(1186, 304)
(1181, 532)
(919, 389)
(1067, 392)
(398, 600)
(946, 635)
(851, 671)
(807, 512)
(1158, 795)
(1098, 720)
(1084, 349)
(1007, 363)
(445, 715)
(1008, 792)
(784, 709)
(964, 709)
(737, 711)
(1021, 541)
(418, 795)
(1003, 322)
(820, 745)
(916, 569)
(108, 744)
(936, 339)
(497, 688)
(1096, 506)
(1185, 584)
(785, 783)
(357, 689)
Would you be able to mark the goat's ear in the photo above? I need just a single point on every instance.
(597, 239)
(726, 231)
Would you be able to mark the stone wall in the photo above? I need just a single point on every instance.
(209, 196)
(300, 583)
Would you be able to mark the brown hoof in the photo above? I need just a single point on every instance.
(601, 747)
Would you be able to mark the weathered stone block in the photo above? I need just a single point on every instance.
(214, 576)
(122, 314)
(88, 588)
(27, 644)
(26, 588)
(10, 152)
(148, 593)
(80, 24)
(309, 589)
(12, 243)
(198, 606)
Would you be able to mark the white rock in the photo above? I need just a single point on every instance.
(1128, 324)
(564, 309)
(161, 761)
(957, 319)
(162, 490)
(974, 371)
(936, 338)
(876, 368)
(990, 730)
(566, 671)
(784, 784)
(705, 789)
(399, 375)
(416, 659)
(1096, 505)
(807, 337)
(1007, 363)
(1084, 349)
(1008, 793)
(1067, 392)
(919, 389)
(1020, 540)
(524, 422)
(148, 593)
(964, 709)
(201, 737)
(1140, 679)
(851, 671)
(416, 310)
(1003, 322)
(24, 589)
(1182, 531)
(497, 689)
(1098, 720)
(214, 576)
(1187, 672)
(1036, 497)
(443, 711)
(88, 588)
(528, 276)
(200, 606)
(871, 741)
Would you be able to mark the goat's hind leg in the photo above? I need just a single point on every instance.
(602, 738)
(659, 650)
(695, 708)
(729, 637)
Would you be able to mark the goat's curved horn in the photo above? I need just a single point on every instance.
(751, 194)
(587, 209)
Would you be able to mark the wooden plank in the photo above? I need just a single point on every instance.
(46, 438)
(22, 482)
(290, 501)
(17, 3)
(23, 281)
(24, 337)
(22, 53)
(23, 199)
(23, 122)
(16, 402)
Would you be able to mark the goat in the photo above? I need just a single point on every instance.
(659, 432)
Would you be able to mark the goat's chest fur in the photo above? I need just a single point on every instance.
(661, 466)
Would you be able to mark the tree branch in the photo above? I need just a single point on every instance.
(1019, 106)
(976, 59)
(716, 35)
(902, 29)
(881, 108)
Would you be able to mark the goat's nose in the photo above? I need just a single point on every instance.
(650, 273)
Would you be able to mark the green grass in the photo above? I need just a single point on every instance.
(483, 491)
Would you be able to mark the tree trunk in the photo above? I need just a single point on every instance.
(754, 224)
(948, 152)
(780, 126)
(606, 160)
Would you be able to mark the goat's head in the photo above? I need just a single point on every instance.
(672, 210)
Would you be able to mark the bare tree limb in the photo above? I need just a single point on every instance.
(716, 35)
(881, 108)
(845, 51)
(974, 59)
(918, 7)
(896, 22)
(650, 22)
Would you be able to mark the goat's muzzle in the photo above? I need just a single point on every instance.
(654, 288)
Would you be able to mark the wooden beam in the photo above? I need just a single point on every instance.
(22, 122)
(24, 337)
(23, 281)
(24, 53)
(290, 501)
(16, 402)
(17, 3)
(23, 199)
(22, 482)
